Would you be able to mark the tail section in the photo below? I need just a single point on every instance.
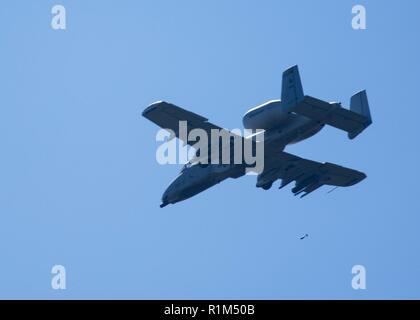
(292, 91)
(359, 104)
(353, 121)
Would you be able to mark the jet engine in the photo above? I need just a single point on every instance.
(266, 116)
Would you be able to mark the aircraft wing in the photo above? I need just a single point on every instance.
(309, 175)
(169, 116)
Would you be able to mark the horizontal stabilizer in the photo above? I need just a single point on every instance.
(352, 121)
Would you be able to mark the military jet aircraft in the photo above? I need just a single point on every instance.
(292, 119)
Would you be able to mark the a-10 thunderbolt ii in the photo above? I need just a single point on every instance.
(292, 119)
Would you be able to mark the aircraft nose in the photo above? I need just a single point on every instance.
(165, 198)
(169, 196)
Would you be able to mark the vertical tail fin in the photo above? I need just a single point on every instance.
(359, 104)
(292, 91)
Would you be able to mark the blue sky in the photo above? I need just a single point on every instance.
(80, 185)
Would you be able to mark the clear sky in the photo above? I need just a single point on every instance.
(80, 185)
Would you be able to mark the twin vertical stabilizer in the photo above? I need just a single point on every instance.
(353, 121)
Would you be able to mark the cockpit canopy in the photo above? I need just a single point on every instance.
(186, 166)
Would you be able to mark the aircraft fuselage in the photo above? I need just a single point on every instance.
(195, 177)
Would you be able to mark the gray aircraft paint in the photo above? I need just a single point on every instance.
(294, 118)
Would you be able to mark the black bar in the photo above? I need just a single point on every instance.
(210, 309)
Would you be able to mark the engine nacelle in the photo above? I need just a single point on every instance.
(266, 116)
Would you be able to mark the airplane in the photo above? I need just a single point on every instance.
(294, 118)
